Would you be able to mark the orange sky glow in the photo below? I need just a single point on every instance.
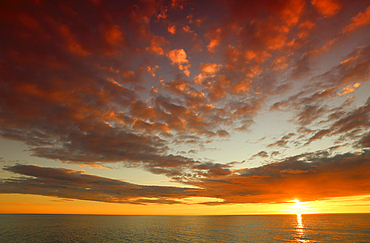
(185, 107)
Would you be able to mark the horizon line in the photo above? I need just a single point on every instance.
(198, 215)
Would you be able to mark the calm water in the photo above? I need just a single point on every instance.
(92, 228)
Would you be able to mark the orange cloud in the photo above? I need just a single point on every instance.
(172, 29)
(187, 29)
(304, 28)
(361, 19)
(207, 70)
(162, 14)
(293, 11)
(179, 58)
(349, 89)
(327, 8)
(151, 127)
(178, 4)
(113, 35)
(156, 44)
(140, 109)
(215, 38)
(72, 45)
(280, 63)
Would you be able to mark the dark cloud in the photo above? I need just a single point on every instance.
(348, 125)
(364, 142)
(65, 183)
(262, 154)
(302, 68)
(309, 176)
(352, 70)
(72, 94)
(282, 142)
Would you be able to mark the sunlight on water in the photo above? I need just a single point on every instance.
(169, 229)
(300, 229)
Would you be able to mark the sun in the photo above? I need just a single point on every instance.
(297, 206)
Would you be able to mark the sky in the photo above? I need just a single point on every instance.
(185, 107)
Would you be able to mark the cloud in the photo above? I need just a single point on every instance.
(349, 89)
(208, 70)
(66, 183)
(65, 106)
(318, 135)
(327, 8)
(301, 68)
(364, 142)
(223, 133)
(354, 121)
(113, 35)
(361, 19)
(262, 154)
(178, 57)
(172, 29)
(310, 105)
(215, 38)
(355, 69)
(156, 45)
(72, 45)
(282, 142)
(308, 176)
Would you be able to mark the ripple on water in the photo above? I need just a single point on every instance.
(266, 228)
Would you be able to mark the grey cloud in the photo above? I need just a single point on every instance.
(65, 183)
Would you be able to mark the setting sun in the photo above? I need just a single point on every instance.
(297, 206)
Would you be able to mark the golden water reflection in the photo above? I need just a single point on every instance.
(300, 229)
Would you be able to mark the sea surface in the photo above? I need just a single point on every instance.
(263, 228)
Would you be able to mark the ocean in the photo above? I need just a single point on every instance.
(110, 228)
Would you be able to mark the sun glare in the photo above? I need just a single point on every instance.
(297, 206)
(297, 203)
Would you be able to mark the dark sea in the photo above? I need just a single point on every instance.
(266, 228)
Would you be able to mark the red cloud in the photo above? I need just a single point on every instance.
(72, 45)
(361, 19)
(178, 57)
(156, 45)
(326, 7)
